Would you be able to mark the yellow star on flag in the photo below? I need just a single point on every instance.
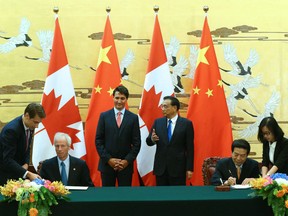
(209, 93)
(103, 55)
(220, 83)
(97, 89)
(201, 57)
(196, 90)
(110, 91)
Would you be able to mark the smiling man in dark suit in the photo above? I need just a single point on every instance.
(15, 140)
(70, 170)
(174, 158)
(118, 141)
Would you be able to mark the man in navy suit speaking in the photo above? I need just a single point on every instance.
(117, 141)
(15, 140)
(174, 139)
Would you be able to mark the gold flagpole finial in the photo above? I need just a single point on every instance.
(205, 9)
(56, 10)
(156, 8)
(108, 9)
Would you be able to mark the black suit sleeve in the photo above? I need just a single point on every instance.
(218, 174)
(9, 148)
(282, 158)
(43, 171)
(100, 140)
(85, 176)
(148, 139)
(136, 141)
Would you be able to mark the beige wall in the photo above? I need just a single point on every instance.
(22, 79)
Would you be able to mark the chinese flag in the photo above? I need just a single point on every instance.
(108, 77)
(208, 109)
(59, 102)
(157, 84)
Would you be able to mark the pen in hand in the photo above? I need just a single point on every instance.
(231, 179)
(221, 181)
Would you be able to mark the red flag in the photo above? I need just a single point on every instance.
(59, 102)
(208, 109)
(157, 84)
(108, 77)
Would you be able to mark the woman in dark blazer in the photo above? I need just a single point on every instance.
(275, 147)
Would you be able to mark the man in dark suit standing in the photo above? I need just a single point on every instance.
(174, 140)
(117, 141)
(15, 140)
(70, 170)
(237, 169)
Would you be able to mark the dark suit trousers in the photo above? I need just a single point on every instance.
(167, 180)
(123, 178)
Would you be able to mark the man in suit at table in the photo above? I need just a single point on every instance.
(15, 141)
(117, 141)
(70, 170)
(174, 158)
(237, 169)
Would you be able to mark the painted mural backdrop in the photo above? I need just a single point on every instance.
(250, 39)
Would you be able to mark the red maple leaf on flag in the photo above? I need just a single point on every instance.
(61, 117)
(151, 95)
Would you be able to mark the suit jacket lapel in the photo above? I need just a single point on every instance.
(178, 125)
(70, 174)
(163, 127)
(124, 120)
(56, 168)
(232, 168)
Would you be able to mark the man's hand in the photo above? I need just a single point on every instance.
(189, 174)
(247, 181)
(25, 166)
(32, 176)
(114, 163)
(154, 136)
(123, 164)
(230, 181)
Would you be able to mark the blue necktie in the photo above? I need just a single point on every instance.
(169, 129)
(63, 174)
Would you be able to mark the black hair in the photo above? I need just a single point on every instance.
(174, 101)
(34, 109)
(241, 143)
(122, 90)
(273, 127)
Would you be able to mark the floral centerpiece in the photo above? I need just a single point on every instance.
(34, 197)
(274, 188)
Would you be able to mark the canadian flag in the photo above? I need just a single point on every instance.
(59, 102)
(158, 83)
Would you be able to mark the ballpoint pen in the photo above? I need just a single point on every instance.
(230, 173)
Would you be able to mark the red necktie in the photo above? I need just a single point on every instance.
(118, 119)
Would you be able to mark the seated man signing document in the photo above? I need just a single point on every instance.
(237, 169)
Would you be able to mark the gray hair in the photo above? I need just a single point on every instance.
(59, 135)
